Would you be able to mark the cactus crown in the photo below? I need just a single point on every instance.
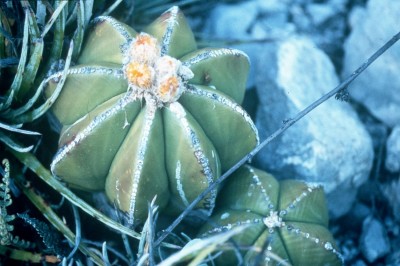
(152, 75)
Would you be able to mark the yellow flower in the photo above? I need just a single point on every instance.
(140, 75)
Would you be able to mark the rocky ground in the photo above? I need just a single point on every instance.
(301, 49)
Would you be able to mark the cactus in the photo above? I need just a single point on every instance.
(287, 220)
(147, 114)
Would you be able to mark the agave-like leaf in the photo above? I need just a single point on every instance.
(288, 218)
(84, 12)
(34, 65)
(179, 136)
(37, 46)
(58, 18)
(12, 144)
(21, 65)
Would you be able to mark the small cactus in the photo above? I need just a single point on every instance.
(287, 220)
(147, 114)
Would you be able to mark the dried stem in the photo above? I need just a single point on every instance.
(288, 123)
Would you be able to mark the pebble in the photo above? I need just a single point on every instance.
(391, 191)
(392, 162)
(374, 241)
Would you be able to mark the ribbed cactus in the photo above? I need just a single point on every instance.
(146, 114)
(286, 219)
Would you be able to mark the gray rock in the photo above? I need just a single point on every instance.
(349, 249)
(393, 259)
(359, 263)
(391, 191)
(252, 50)
(231, 22)
(379, 132)
(325, 23)
(329, 146)
(339, 5)
(320, 13)
(374, 242)
(249, 22)
(359, 212)
(378, 88)
(300, 18)
(263, 21)
(392, 162)
(393, 228)
(274, 16)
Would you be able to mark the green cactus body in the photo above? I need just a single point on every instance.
(289, 217)
(138, 122)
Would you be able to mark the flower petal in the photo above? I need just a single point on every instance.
(106, 41)
(225, 69)
(226, 124)
(173, 32)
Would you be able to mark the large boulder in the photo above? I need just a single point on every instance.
(378, 88)
(330, 145)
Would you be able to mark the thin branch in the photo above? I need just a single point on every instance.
(288, 123)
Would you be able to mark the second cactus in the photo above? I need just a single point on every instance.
(286, 221)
